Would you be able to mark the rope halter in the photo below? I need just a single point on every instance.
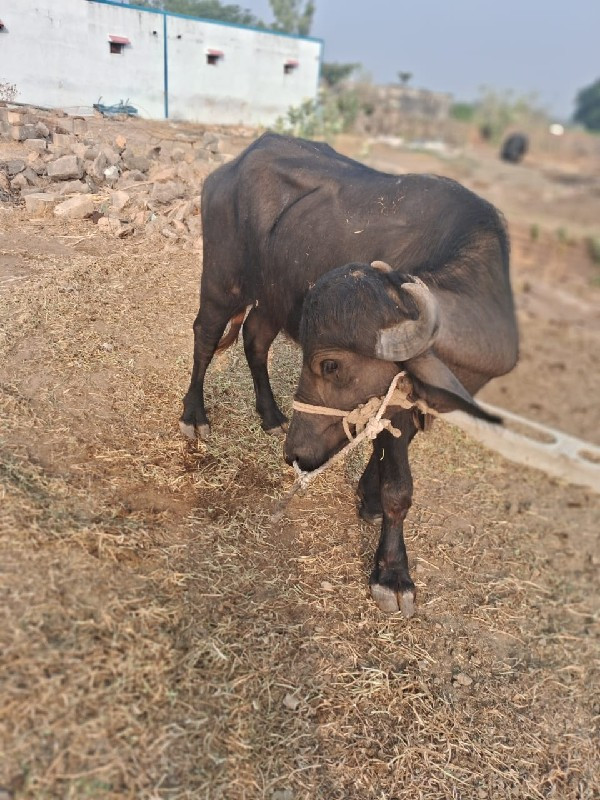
(368, 421)
(368, 417)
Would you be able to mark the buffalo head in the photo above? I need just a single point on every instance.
(360, 325)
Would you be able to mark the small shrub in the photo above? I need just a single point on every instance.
(330, 114)
(562, 234)
(534, 232)
(592, 245)
(464, 112)
(8, 92)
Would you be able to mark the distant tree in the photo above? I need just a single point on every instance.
(292, 16)
(334, 73)
(405, 77)
(462, 111)
(587, 107)
(207, 9)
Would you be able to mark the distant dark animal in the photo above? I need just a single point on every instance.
(514, 147)
(291, 229)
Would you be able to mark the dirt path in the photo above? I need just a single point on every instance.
(162, 637)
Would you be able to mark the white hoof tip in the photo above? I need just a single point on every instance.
(203, 431)
(407, 603)
(370, 519)
(192, 432)
(187, 430)
(385, 599)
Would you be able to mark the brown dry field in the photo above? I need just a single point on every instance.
(162, 637)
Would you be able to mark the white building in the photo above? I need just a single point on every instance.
(69, 53)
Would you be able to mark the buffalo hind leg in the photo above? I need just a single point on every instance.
(259, 333)
(369, 496)
(392, 587)
(209, 326)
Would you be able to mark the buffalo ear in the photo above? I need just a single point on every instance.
(441, 389)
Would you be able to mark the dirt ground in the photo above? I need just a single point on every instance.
(161, 636)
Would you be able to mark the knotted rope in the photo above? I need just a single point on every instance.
(368, 422)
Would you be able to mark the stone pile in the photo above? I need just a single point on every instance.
(67, 171)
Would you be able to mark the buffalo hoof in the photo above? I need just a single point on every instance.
(371, 517)
(390, 602)
(278, 430)
(193, 432)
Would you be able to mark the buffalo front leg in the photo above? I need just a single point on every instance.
(392, 587)
(209, 326)
(259, 332)
(369, 495)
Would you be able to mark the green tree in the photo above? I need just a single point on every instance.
(587, 106)
(334, 73)
(292, 16)
(405, 77)
(207, 9)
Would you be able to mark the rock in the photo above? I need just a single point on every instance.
(39, 203)
(31, 176)
(17, 117)
(91, 151)
(79, 126)
(14, 166)
(19, 182)
(115, 227)
(210, 141)
(132, 161)
(64, 168)
(42, 130)
(291, 701)
(111, 174)
(74, 125)
(167, 192)
(463, 680)
(76, 207)
(96, 168)
(4, 182)
(140, 219)
(202, 155)
(37, 164)
(194, 225)
(39, 145)
(80, 149)
(120, 143)
(130, 178)
(185, 172)
(160, 174)
(19, 133)
(119, 200)
(178, 154)
(112, 157)
(74, 187)
(62, 141)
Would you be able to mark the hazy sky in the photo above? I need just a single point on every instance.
(550, 47)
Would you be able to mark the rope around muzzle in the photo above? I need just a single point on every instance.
(368, 422)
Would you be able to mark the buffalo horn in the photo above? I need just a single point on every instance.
(381, 266)
(411, 337)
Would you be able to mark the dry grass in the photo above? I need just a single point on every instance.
(162, 637)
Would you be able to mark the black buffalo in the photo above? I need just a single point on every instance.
(291, 231)
(514, 147)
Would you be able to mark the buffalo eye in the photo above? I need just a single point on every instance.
(329, 367)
